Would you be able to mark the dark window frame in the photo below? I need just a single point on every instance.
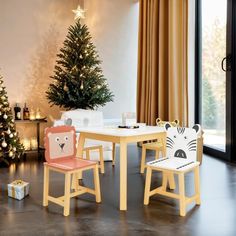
(230, 154)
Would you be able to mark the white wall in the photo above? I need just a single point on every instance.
(191, 60)
(114, 28)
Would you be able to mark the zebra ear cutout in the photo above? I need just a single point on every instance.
(167, 126)
(197, 128)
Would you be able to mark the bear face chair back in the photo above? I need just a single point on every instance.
(181, 142)
(60, 154)
(60, 143)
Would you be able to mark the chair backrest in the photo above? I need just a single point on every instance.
(162, 123)
(59, 143)
(181, 142)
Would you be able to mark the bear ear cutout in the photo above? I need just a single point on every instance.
(176, 121)
(167, 126)
(197, 128)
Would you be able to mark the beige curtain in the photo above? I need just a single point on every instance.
(162, 88)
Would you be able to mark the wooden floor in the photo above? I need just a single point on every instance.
(216, 216)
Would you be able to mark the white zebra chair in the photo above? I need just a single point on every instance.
(181, 149)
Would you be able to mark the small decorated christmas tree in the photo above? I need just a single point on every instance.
(78, 81)
(10, 146)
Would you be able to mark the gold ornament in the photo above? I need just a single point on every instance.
(65, 88)
(4, 144)
(10, 154)
(82, 85)
(79, 13)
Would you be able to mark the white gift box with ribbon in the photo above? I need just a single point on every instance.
(18, 189)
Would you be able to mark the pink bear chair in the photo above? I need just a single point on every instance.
(60, 154)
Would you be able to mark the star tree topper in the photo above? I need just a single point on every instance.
(79, 13)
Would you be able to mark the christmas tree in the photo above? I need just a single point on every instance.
(10, 146)
(78, 81)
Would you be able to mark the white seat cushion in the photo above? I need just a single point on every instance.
(175, 164)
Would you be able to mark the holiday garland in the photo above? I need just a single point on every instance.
(10, 146)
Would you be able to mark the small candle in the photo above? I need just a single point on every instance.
(26, 143)
(33, 143)
(32, 114)
(38, 114)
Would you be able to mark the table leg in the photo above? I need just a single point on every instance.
(123, 176)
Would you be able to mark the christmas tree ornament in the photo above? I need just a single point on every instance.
(79, 13)
(4, 144)
(78, 59)
(1, 89)
(14, 149)
(11, 135)
(65, 88)
(10, 154)
(8, 131)
(5, 116)
(82, 85)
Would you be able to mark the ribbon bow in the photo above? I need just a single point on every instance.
(18, 182)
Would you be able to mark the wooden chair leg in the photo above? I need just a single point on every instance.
(101, 160)
(45, 185)
(171, 180)
(67, 195)
(164, 181)
(97, 184)
(182, 200)
(197, 185)
(113, 153)
(147, 185)
(143, 158)
(156, 154)
(87, 154)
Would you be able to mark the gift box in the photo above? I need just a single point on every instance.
(18, 189)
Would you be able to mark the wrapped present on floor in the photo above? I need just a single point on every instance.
(18, 189)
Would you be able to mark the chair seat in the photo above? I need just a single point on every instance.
(175, 164)
(71, 164)
(153, 145)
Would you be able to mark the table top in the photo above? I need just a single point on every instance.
(120, 132)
